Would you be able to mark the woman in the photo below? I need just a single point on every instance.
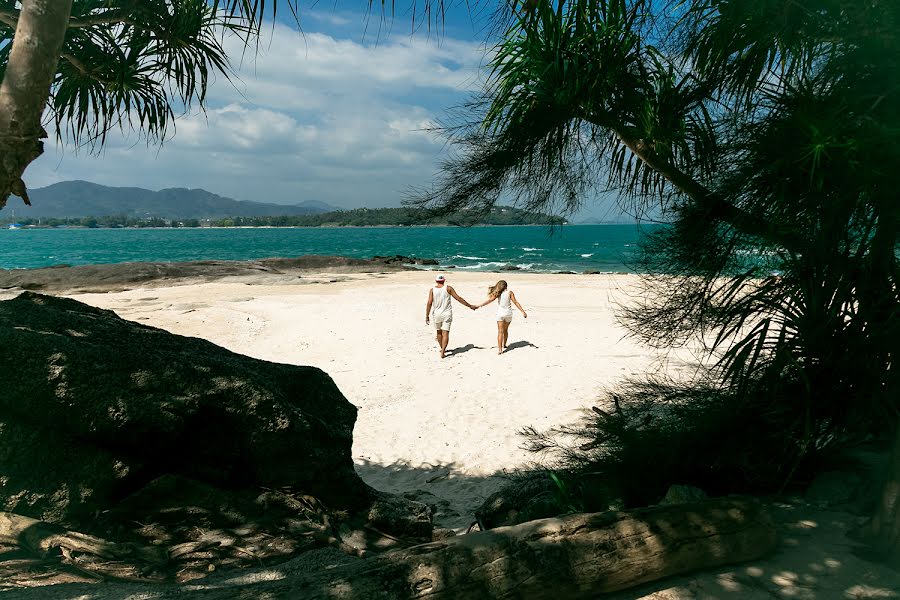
(505, 299)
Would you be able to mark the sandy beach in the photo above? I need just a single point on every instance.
(425, 424)
(446, 430)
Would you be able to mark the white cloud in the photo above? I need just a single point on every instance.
(329, 18)
(310, 117)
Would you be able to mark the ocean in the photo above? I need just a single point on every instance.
(606, 248)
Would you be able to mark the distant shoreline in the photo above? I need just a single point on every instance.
(111, 277)
(425, 226)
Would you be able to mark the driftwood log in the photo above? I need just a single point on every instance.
(577, 556)
(86, 553)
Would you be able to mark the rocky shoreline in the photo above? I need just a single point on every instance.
(124, 276)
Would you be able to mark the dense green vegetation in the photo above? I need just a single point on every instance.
(765, 128)
(360, 217)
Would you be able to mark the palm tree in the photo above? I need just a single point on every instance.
(106, 64)
(766, 134)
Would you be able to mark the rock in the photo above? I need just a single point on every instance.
(396, 259)
(94, 407)
(565, 273)
(518, 502)
(440, 509)
(833, 488)
(683, 494)
(592, 272)
(510, 268)
(399, 259)
(852, 484)
(123, 276)
(442, 533)
(400, 516)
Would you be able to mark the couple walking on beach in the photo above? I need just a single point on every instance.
(440, 311)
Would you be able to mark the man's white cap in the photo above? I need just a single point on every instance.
(439, 279)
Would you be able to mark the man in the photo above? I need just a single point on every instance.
(440, 311)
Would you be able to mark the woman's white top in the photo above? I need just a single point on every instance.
(504, 306)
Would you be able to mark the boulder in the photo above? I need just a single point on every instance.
(518, 502)
(683, 494)
(399, 259)
(396, 259)
(94, 407)
(510, 268)
(852, 482)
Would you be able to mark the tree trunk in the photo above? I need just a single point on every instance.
(883, 531)
(577, 556)
(32, 64)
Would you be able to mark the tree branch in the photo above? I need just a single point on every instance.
(110, 17)
(716, 207)
(10, 17)
(72, 60)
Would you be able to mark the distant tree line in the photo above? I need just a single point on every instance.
(360, 217)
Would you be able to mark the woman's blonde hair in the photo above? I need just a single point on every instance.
(497, 289)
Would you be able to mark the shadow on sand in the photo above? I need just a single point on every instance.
(454, 351)
(520, 344)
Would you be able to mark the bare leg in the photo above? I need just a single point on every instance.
(445, 339)
(499, 337)
(438, 337)
(505, 326)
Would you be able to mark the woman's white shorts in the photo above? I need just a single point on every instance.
(504, 315)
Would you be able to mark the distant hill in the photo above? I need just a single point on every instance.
(70, 199)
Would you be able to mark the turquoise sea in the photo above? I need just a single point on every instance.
(608, 248)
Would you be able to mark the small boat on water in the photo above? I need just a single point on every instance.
(15, 226)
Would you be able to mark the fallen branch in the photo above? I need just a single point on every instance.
(577, 556)
(89, 554)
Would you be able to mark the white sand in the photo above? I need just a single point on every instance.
(442, 426)
(446, 427)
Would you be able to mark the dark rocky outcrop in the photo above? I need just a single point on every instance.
(398, 259)
(122, 276)
(93, 407)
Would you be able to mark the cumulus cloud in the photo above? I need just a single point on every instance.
(308, 117)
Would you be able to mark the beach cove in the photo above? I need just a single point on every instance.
(445, 432)
(442, 426)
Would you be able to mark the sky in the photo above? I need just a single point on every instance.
(337, 113)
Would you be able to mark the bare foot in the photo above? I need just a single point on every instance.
(442, 354)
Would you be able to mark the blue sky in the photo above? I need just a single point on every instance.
(336, 114)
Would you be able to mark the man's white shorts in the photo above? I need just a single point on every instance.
(442, 322)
